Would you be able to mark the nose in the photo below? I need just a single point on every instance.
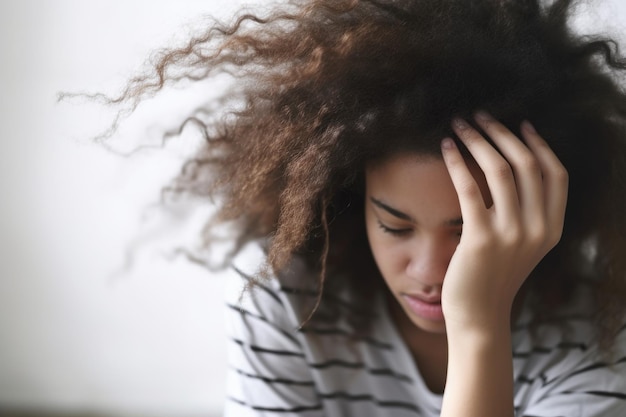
(428, 261)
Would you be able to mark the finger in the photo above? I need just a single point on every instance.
(555, 179)
(526, 168)
(497, 170)
(473, 208)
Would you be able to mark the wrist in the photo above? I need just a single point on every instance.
(479, 323)
(480, 372)
(479, 340)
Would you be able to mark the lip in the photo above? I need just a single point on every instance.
(428, 308)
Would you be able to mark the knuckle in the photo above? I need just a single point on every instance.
(513, 236)
(487, 123)
(555, 237)
(483, 242)
(529, 163)
(468, 189)
(471, 138)
(497, 129)
(501, 170)
(544, 236)
(561, 175)
(538, 236)
(536, 230)
(455, 161)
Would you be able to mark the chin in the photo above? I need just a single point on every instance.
(429, 326)
(409, 318)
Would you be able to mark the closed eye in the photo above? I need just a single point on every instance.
(392, 231)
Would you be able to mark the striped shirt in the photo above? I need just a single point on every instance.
(275, 369)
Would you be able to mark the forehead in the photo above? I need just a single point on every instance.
(405, 169)
(420, 163)
(415, 185)
(412, 181)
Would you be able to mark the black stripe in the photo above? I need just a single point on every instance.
(273, 380)
(245, 312)
(398, 404)
(550, 320)
(329, 298)
(532, 415)
(298, 291)
(523, 379)
(345, 396)
(382, 372)
(298, 409)
(341, 332)
(517, 408)
(598, 365)
(339, 363)
(592, 367)
(539, 350)
(620, 395)
(341, 395)
(389, 372)
(257, 284)
(266, 350)
(545, 350)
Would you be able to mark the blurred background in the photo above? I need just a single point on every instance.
(77, 336)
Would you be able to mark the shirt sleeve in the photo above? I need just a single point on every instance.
(268, 372)
(592, 386)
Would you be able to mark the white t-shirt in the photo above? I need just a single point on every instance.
(275, 369)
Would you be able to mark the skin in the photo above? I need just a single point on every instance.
(509, 203)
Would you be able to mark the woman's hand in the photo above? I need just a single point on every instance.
(511, 219)
(508, 232)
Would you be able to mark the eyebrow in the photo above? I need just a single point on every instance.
(391, 210)
(401, 215)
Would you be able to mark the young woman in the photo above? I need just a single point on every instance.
(428, 200)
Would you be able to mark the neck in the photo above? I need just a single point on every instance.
(430, 350)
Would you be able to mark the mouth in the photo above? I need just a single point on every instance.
(430, 299)
(428, 308)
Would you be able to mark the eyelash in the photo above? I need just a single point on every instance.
(402, 232)
(395, 232)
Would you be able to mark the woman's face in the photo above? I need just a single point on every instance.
(414, 223)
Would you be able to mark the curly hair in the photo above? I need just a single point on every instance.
(325, 87)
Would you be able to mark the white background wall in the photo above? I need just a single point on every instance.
(72, 334)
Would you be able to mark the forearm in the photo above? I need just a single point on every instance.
(480, 373)
(506, 233)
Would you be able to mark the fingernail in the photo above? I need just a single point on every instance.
(447, 143)
(527, 126)
(460, 124)
(483, 115)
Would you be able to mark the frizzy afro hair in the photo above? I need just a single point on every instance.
(328, 86)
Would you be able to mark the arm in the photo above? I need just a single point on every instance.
(577, 382)
(505, 235)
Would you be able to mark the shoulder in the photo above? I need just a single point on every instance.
(560, 368)
(257, 303)
(289, 297)
(278, 364)
(268, 371)
(269, 298)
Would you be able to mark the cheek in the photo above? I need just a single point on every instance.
(373, 236)
(386, 260)
(387, 253)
